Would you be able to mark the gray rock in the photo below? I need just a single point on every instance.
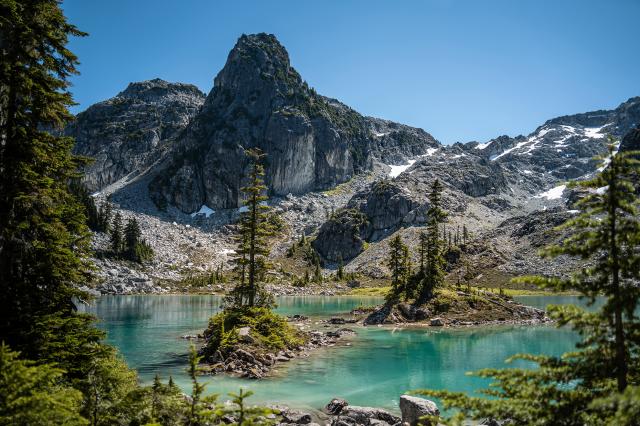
(413, 408)
(244, 335)
(436, 322)
(336, 405)
(364, 415)
(127, 133)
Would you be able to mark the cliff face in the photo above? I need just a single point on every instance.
(127, 133)
(259, 100)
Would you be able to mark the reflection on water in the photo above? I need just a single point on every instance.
(380, 364)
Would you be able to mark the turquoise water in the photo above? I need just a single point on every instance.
(377, 366)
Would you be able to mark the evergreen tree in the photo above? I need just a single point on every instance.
(435, 261)
(43, 233)
(116, 235)
(253, 231)
(104, 217)
(465, 235)
(596, 383)
(132, 236)
(340, 273)
(32, 394)
(422, 250)
(79, 190)
(399, 265)
(317, 274)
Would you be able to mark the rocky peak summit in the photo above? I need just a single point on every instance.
(259, 100)
(159, 91)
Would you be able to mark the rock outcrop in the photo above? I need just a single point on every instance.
(127, 133)
(414, 408)
(259, 100)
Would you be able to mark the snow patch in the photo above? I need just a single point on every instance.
(573, 211)
(397, 170)
(527, 172)
(553, 193)
(227, 251)
(594, 132)
(483, 145)
(205, 210)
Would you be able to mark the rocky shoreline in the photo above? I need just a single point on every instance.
(246, 362)
(338, 412)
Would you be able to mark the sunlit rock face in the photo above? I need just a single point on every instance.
(259, 100)
(128, 132)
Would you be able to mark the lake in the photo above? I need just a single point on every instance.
(377, 366)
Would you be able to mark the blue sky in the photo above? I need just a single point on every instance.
(461, 69)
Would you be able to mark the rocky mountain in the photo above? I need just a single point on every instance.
(126, 134)
(501, 178)
(175, 159)
(259, 100)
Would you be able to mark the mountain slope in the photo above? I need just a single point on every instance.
(124, 134)
(259, 100)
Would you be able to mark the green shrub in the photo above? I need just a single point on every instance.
(269, 330)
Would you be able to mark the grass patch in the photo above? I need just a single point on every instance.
(268, 331)
(370, 291)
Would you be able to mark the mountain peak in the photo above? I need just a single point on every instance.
(152, 90)
(254, 58)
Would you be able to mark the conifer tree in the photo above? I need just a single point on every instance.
(399, 265)
(422, 250)
(43, 233)
(465, 235)
(253, 231)
(435, 262)
(116, 235)
(340, 273)
(596, 383)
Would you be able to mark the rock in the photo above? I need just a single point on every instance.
(335, 406)
(296, 418)
(244, 335)
(336, 320)
(125, 134)
(413, 408)
(364, 415)
(436, 322)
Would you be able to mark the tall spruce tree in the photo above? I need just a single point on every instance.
(435, 261)
(43, 233)
(253, 230)
(422, 250)
(117, 239)
(596, 383)
(399, 265)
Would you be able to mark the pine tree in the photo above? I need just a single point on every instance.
(399, 265)
(116, 235)
(435, 262)
(422, 250)
(317, 274)
(31, 394)
(253, 231)
(596, 383)
(44, 239)
(340, 273)
(465, 235)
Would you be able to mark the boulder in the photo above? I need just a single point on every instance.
(413, 408)
(335, 406)
(436, 322)
(244, 335)
(364, 415)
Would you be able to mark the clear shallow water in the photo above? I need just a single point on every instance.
(379, 365)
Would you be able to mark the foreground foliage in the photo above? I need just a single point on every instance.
(599, 382)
